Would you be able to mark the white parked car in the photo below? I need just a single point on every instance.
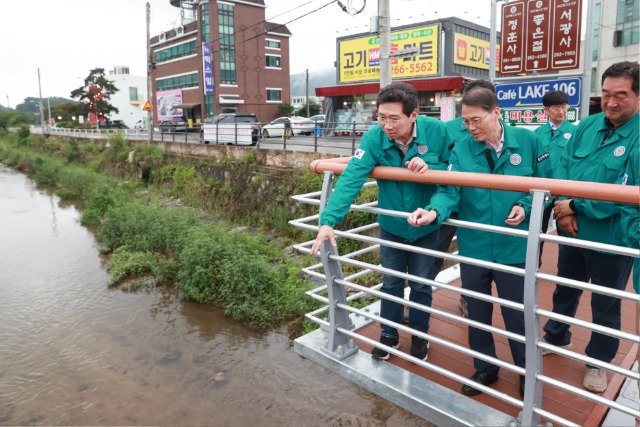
(299, 126)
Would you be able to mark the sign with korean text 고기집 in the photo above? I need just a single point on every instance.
(359, 59)
(540, 36)
(472, 52)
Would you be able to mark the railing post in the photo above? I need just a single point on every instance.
(338, 345)
(353, 139)
(315, 136)
(533, 364)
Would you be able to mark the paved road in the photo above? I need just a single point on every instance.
(344, 145)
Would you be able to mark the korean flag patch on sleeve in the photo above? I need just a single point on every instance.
(358, 154)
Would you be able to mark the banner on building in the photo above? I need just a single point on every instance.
(167, 100)
(359, 58)
(473, 52)
(207, 68)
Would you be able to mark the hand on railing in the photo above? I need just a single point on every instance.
(417, 165)
(324, 233)
(421, 217)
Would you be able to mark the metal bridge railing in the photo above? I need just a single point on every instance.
(335, 319)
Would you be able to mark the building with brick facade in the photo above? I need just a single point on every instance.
(228, 59)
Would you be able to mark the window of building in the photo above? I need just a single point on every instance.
(205, 30)
(208, 105)
(594, 79)
(272, 44)
(227, 44)
(177, 51)
(628, 21)
(273, 61)
(133, 94)
(178, 82)
(596, 31)
(274, 95)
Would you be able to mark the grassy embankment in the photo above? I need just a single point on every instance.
(178, 227)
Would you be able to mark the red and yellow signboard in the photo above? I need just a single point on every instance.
(359, 59)
(472, 52)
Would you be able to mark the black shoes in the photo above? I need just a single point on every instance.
(419, 348)
(381, 354)
(481, 378)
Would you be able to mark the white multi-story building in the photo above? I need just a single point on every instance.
(616, 37)
(130, 97)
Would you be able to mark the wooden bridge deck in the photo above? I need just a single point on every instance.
(579, 410)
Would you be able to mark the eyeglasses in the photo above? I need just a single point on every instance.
(558, 108)
(384, 121)
(474, 122)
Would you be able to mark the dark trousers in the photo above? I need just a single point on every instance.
(510, 287)
(546, 218)
(446, 233)
(602, 269)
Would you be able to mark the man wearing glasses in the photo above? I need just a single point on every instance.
(554, 136)
(499, 150)
(403, 139)
(598, 151)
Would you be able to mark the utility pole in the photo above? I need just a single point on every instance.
(149, 86)
(8, 106)
(49, 109)
(384, 19)
(307, 92)
(40, 104)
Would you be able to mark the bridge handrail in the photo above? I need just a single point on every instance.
(341, 337)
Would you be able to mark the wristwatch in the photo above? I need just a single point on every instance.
(572, 206)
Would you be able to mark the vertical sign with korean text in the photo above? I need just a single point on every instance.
(512, 37)
(538, 37)
(566, 34)
(359, 58)
(207, 68)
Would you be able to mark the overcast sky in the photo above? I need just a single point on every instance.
(68, 38)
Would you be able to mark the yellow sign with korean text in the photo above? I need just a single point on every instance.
(359, 59)
(472, 52)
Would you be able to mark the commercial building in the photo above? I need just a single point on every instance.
(130, 97)
(229, 59)
(447, 53)
(616, 37)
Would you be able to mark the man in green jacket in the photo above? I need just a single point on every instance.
(458, 132)
(403, 139)
(598, 151)
(499, 150)
(554, 136)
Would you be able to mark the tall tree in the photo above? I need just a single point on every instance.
(96, 92)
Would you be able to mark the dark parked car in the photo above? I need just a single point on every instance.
(117, 124)
(174, 124)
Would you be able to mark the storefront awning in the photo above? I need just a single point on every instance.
(423, 85)
(186, 105)
(230, 99)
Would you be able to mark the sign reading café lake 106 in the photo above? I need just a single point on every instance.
(540, 35)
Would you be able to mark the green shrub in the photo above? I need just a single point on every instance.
(125, 263)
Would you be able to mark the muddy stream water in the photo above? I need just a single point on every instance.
(74, 352)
